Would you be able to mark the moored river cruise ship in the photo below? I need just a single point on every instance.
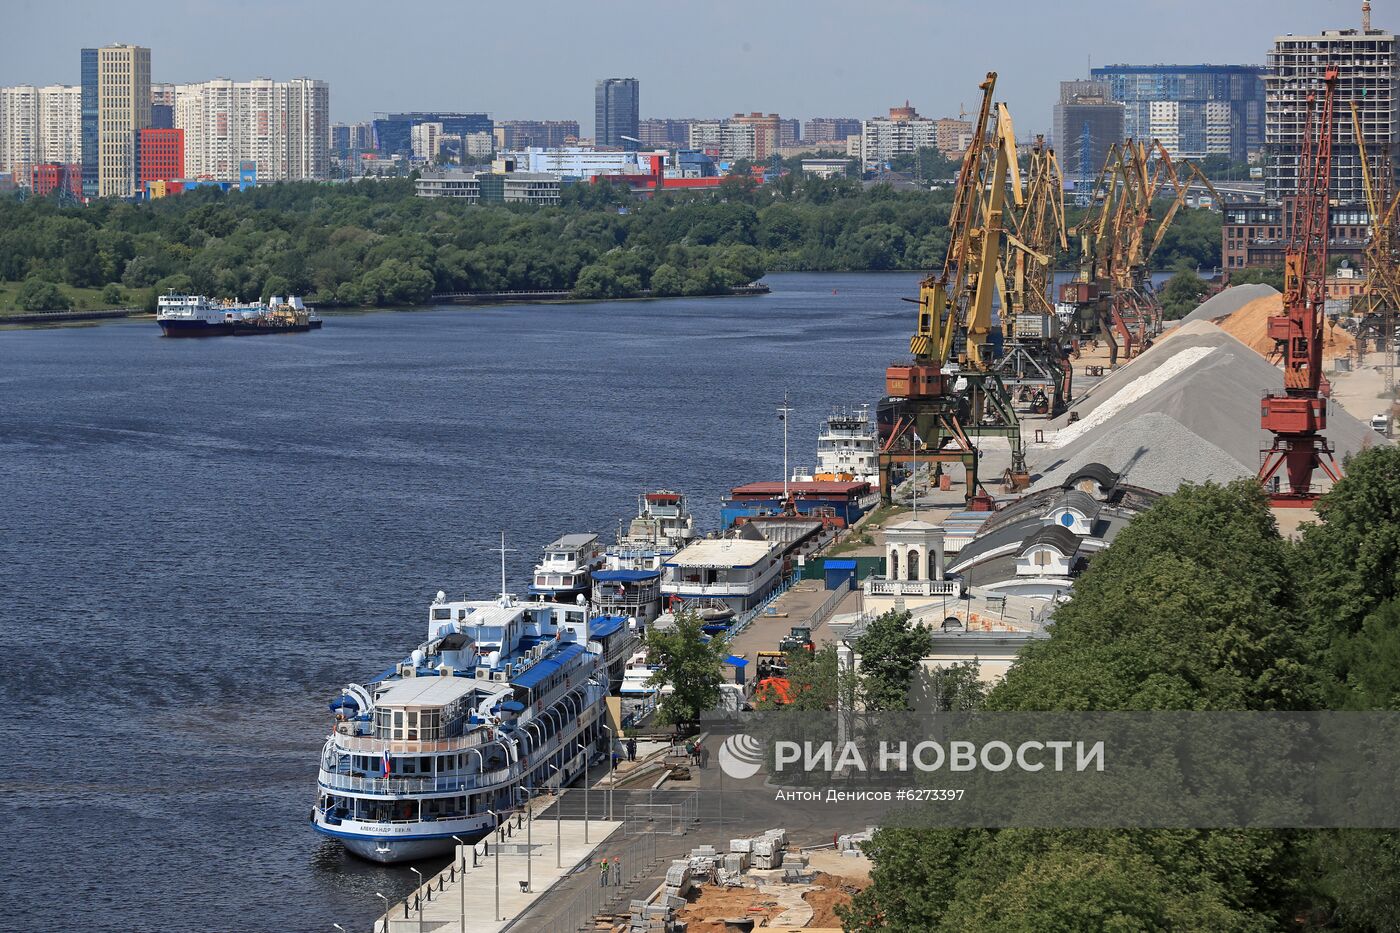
(503, 697)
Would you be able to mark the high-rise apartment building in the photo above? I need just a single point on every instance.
(1366, 62)
(19, 130)
(282, 126)
(727, 140)
(767, 132)
(830, 129)
(39, 126)
(1087, 121)
(425, 138)
(1202, 109)
(883, 138)
(615, 112)
(789, 132)
(308, 108)
(123, 109)
(952, 137)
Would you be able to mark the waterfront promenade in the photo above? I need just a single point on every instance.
(486, 892)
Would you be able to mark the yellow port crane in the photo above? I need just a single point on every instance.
(1112, 290)
(951, 391)
(1380, 297)
(1035, 364)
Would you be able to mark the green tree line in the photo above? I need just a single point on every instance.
(1200, 604)
(373, 243)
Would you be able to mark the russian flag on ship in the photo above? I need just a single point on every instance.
(387, 768)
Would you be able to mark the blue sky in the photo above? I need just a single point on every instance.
(538, 59)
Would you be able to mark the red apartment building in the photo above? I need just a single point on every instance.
(161, 154)
(48, 177)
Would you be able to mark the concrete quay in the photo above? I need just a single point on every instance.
(488, 885)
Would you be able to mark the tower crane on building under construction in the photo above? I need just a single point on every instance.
(1381, 296)
(1035, 364)
(951, 392)
(1299, 416)
(1112, 292)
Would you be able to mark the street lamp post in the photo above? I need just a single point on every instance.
(611, 771)
(583, 749)
(387, 908)
(462, 880)
(558, 818)
(529, 836)
(496, 817)
(421, 883)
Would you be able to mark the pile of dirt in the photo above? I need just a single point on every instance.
(1187, 410)
(707, 913)
(714, 904)
(1228, 301)
(836, 891)
(1250, 325)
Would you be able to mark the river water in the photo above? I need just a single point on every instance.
(202, 540)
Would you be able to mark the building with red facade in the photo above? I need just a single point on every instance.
(161, 155)
(48, 177)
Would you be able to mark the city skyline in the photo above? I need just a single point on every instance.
(749, 67)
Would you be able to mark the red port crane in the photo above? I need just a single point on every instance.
(1298, 417)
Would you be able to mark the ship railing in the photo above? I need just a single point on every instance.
(336, 819)
(370, 745)
(689, 589)
(339, 780)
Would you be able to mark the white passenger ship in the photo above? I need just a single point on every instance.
(848, 449)
(565, 571)
(502, 697)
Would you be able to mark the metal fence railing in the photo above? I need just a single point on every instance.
(663, 812)
(749, 615)
(578, 911)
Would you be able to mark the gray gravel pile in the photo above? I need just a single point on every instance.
(1185, 411)
(1228, 301)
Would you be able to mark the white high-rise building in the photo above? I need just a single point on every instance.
(19, 130)
(60, 124)
(283, 126)
(882, 138)
(425, 138)
(308, 129)
(39, 125)
(731, 140)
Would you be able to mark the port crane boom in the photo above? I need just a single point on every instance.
(1381, 296)
(1298, 417)
(950, 391)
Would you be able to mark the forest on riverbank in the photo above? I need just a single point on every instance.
(372, 243)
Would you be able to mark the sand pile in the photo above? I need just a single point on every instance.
(1228, 301)
(1187, 410)
(1250, 325)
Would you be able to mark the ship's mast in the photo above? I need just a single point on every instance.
(783, 413)
(503, 551)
